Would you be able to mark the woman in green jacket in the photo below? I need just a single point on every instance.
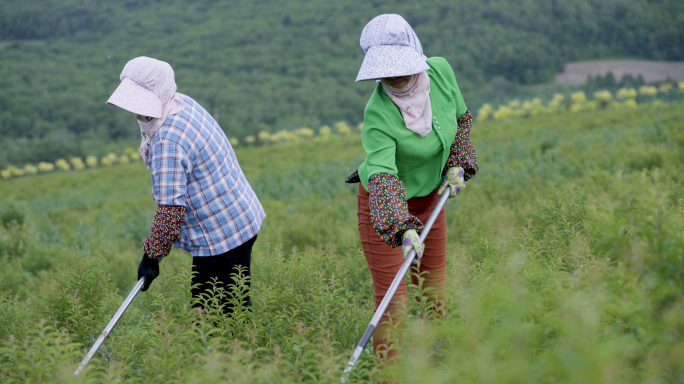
(416, 138)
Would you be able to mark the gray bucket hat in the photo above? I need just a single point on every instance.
(392, 49)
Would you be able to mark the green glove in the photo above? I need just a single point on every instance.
(410, 240)
(454, 179)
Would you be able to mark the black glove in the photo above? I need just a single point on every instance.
(149, 269)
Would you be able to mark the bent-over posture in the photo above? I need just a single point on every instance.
(205, 205)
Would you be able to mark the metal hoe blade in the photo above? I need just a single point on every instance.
(111, 325)
(393, 289)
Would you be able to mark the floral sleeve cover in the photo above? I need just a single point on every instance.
(462, 150)
(389, 210)
(166, 228)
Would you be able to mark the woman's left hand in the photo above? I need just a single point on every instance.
(454, 179)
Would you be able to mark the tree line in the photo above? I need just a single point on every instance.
(268, 65)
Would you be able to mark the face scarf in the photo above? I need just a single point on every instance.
(150, 128)
(414, 102)
(164, 87)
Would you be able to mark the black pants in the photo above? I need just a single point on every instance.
(220, 269)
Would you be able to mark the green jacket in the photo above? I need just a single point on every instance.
(394, 149)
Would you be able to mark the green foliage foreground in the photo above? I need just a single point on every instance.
(565, 265)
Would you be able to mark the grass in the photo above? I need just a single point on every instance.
(565, 264)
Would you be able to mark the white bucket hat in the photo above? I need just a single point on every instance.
(146, 85)
(392, 49)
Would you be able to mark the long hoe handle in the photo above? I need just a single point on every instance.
(111, 325)
(393, 289)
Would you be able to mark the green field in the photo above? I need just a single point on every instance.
(565, 265)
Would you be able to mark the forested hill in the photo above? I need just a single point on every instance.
(267, 64)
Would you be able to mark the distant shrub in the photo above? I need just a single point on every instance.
(14, 171)
(485, 112)
(626, 93)
(360, 126)
(30, 169)
(91, 161)
(603, 98)
(648, 90)
(264, 136)
(305, 132)
(342, 128)
(77, 163)
(324, 131)
(46, 167)
(124, 159)
(665, 88)
(578, 97)
(556, 102)
(62, 165)
(109, 160)
(234, 141)
(250, 139)
(503, 113)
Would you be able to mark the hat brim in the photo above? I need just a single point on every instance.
(137, 99)
(391, 61)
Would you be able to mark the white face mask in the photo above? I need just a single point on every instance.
(145, 138)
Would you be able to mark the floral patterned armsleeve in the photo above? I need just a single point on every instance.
(389, 210)
(165, 230)
(462, 150)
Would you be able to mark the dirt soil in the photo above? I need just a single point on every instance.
(575, 74)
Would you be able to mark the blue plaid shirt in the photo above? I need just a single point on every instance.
(194, 166)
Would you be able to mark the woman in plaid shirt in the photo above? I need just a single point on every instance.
(205, 205)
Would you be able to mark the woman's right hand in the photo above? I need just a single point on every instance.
(411, 240)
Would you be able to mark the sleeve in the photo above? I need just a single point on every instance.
(389, 210)
(165, 230)
(378, 143)
(170, 166)
(463, 152)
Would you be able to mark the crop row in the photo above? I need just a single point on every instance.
(578, 102)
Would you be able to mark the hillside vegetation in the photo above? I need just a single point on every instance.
(565, 262)
(269, 65)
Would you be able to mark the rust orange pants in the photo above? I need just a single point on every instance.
(384, 263)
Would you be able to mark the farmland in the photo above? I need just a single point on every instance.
(565, 264)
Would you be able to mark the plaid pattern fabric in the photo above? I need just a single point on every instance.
(194, 166)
